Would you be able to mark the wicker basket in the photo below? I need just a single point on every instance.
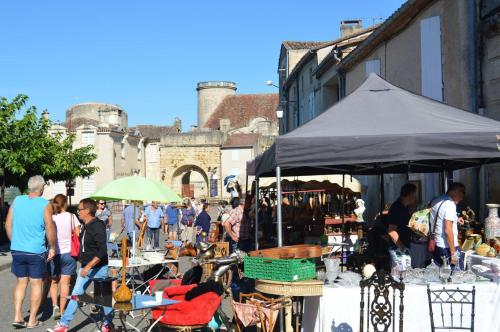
(299, 288)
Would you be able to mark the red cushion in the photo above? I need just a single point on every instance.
(170, 292)
(198, 311)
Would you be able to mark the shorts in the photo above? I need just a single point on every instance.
(62, 264)
(173, 227)
(27, 264)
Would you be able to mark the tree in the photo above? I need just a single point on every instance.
(27, 148)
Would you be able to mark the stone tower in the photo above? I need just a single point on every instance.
(96, 114)
(210, 95)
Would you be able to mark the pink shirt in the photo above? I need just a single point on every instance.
(63, 221)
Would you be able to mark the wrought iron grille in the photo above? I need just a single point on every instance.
(381, 310)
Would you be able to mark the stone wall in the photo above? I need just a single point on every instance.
(95, 113)
(177, 161)
(400, 61)
(196, 152)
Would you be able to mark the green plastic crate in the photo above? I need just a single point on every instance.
(279, 269)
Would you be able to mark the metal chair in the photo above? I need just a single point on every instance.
(381, 309)
(452, 303)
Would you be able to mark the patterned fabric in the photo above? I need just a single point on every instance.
(103, 215)
(235, 217)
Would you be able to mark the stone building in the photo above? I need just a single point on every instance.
(447, 50)
(232, 129)
(192, 163)
(305, 96)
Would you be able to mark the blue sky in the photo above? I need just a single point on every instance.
(147, 56)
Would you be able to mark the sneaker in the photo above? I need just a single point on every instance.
(56, 313)
(107, 328)
(58, 328)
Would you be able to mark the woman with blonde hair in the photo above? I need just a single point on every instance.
(63, 266)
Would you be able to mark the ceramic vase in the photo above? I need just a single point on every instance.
(492, 222)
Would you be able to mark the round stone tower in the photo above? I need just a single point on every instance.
(210, 95)
(96, 114)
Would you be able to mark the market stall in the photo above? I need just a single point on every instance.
(377, 129)
(380, 128)
(312, 205)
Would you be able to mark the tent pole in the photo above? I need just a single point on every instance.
(278, 207)
(382, 193)
(444, 181)
(256, 213)
(246, 185)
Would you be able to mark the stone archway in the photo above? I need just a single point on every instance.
(191, 180)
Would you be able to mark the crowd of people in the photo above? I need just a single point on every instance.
(42, 231)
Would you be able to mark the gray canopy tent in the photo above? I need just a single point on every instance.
(380, 128)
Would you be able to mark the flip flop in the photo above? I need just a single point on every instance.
(19, 325)
(38, 324)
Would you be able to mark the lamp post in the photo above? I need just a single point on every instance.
(70, 189)
(279, 115)
(271, 83)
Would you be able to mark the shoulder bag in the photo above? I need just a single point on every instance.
(75, 241)
(431, 245)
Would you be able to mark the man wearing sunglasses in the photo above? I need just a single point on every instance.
(444, 213)
(94, 262)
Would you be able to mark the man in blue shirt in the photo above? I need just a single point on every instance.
(28, 224)
(154, 218)
(173, 214)
(130, 220)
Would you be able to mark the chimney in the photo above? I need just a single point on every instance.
(45, 114)
(224, 125)
(348, 27)
(178, 124)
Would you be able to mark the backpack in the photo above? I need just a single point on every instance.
(420, 222)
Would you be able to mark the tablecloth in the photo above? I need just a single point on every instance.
(338, 309)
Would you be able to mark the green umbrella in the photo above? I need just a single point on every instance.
(136, 188)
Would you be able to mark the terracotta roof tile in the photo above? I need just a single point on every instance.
(241, 109)
(241, 140)
(302, 45)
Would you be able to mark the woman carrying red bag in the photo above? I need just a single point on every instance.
(63, 266)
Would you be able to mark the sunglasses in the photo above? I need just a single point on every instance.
(101, 203)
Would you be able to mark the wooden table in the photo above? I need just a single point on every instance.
(290, 289)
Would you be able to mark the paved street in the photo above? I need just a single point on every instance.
(80, 323)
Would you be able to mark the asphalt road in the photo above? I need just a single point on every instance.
(80, 322)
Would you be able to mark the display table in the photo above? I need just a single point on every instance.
(138, 263)
(338, 308)
(138, 302)
(290, 289)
